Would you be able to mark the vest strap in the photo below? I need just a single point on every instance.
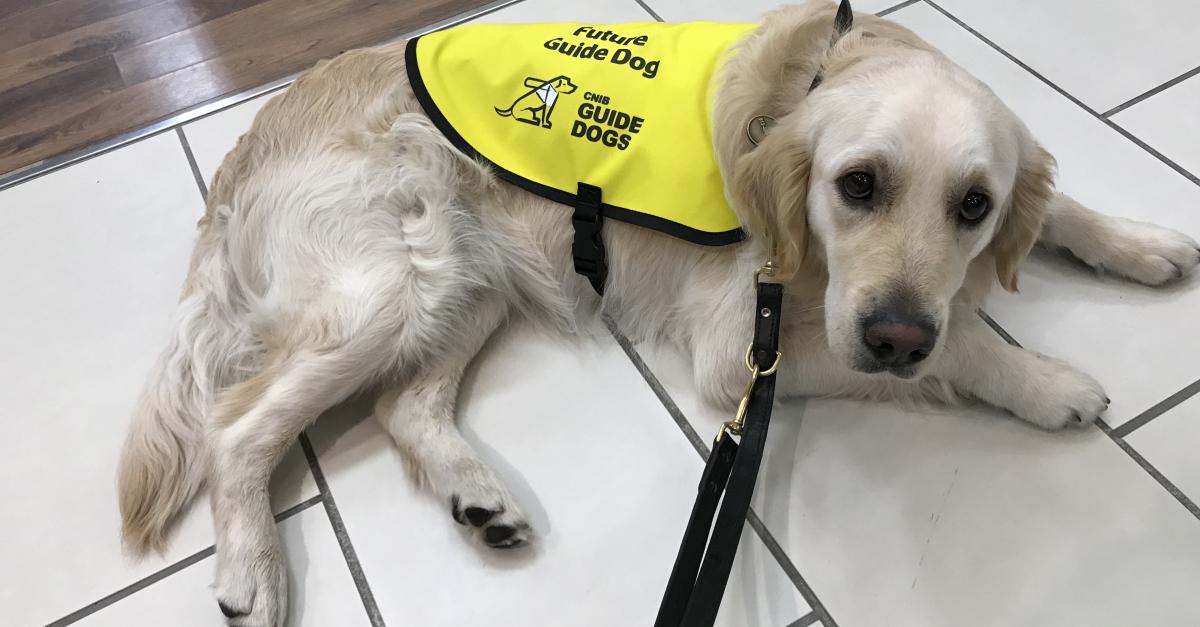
(588, 247)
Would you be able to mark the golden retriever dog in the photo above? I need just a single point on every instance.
(348, 246)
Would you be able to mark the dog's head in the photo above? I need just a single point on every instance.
(898, 174)
(563, 85)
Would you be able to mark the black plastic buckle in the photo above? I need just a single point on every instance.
(588, 247)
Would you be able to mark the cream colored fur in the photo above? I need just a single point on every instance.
(347, 245)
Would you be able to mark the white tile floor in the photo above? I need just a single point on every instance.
(891, 517)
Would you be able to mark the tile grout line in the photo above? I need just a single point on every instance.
(1154, 91)
(764, 534)
(167, 571)
(191, 159)
(1162, 480)
(1119, 440)
(135, 587)
(298, 507)
(1112, 125)
(811, 617)
(343, 538)
(998, 329)
(1162, 407)
(893, 9)
(656, 386)
(789, 568)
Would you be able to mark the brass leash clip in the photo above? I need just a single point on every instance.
(734, 427)
(767, 270)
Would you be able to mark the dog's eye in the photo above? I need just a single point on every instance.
(858, 185)
(974, 207)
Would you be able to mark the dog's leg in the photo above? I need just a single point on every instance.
(1139, 251)
(253, 425)
(420, 418)
(1045, 391)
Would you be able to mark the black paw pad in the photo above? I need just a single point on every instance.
(229, 612)
(478, 515)
(502, 536)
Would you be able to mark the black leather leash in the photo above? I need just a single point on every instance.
(702, 566)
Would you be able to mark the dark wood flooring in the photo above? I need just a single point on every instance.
(77, 72)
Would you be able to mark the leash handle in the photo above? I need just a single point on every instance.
(702, 566)
(695, 537)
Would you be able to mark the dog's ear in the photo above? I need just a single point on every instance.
(1022, 222)
(769, 192)
(769, 74)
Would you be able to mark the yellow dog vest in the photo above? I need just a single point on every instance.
(625, 108)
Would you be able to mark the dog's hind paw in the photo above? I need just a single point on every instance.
(497, 519)
(252, 592)
(506, 534)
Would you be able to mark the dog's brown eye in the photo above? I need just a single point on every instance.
(858, 185)
(974, 207)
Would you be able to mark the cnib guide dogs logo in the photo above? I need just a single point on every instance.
(596, 122)
(537, 105)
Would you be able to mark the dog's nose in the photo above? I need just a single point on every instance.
(898, 341)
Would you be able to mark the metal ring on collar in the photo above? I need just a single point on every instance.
(763, 123)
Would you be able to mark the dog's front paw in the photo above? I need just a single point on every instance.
(1147, 253)
(251, 590)
(1055, 395)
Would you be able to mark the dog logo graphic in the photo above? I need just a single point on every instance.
(537, 105)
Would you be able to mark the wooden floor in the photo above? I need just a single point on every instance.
(76, 72)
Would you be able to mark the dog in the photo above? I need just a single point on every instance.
(347, 245)
(537, 105)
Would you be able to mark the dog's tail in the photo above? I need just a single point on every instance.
(164, 462)
(504, 112)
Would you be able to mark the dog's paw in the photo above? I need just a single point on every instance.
(251, 591)
(1057, 396)
(495, 516)
(1146, 253)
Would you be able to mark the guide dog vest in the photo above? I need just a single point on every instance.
(619, 115)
